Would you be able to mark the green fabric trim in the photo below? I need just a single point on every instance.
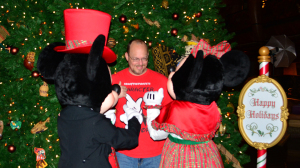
(183, 141)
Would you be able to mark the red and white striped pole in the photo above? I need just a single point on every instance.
(262, 158)
(263, 60)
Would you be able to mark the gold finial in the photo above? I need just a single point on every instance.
(264, 54)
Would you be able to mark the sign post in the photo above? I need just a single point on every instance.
(262, 110)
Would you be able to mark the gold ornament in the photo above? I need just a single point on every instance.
(10, 21)
(41, 164)
(30, 57)
(207, 40)
(149, 22)
(184, 38)
(111, 43)
(40, 126)
(3, 34)
(165, 4)
(222, 129)
(194, 38)
(126, 29)
(164, 59)
(136, 26)
(230, 105)
(44, 90)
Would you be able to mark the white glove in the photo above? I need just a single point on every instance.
(154, 97)
(129, 113)
(111, 114)
(134, 104)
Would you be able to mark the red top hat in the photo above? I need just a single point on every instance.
(82, 26)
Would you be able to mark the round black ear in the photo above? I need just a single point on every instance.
(49, 60)
(236, 66)
(95, 55)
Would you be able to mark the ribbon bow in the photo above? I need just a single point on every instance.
(217, 50)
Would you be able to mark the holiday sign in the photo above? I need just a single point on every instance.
(262, 112)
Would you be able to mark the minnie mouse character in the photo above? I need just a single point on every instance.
(190, 121)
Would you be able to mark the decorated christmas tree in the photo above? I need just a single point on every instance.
(29, 107)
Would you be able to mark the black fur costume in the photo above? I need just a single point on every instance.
(82, 82)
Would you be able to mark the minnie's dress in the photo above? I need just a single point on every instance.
(196, 125)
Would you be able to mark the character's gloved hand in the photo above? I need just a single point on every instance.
(154, 97)
(131, 105)
(111, 114)
(129, 113)
(153, 101)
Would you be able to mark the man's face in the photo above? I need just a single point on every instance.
(137, 58)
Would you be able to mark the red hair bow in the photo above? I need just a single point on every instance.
(217, 50)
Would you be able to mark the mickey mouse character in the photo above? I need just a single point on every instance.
(83, 86)
(190, 121)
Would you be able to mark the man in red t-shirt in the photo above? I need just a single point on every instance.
(135, 81)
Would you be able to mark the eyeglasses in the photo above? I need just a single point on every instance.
(138, 59)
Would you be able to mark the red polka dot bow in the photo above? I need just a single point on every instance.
(217, 50)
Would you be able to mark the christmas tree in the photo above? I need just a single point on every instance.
(29, 107)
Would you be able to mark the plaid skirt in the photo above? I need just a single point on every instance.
(203, 155)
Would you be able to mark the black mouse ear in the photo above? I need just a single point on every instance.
(49, 60)
(95, 57)
(236, 66)
(186, 77)
(195, 72)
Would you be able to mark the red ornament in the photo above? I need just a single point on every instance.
(123, 19)
(14, 50)
(150, 44)
(11, 148)
(199, 14)
(174, 32)
(175, 16)
(35, 74)
(28, 64)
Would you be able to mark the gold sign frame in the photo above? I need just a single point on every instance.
(241, 112)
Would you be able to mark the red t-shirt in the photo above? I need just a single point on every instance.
(137, 86)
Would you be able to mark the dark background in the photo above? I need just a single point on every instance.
(254, 22)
